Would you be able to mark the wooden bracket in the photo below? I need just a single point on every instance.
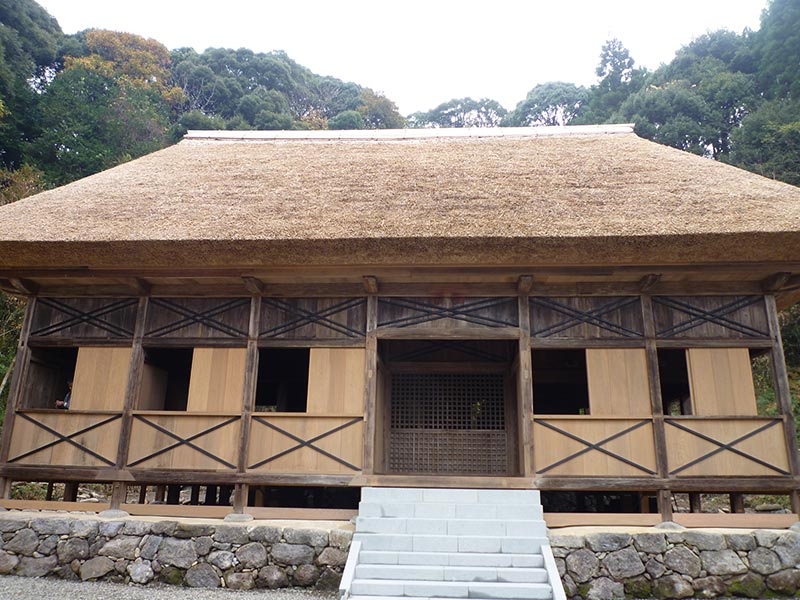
(254, 285)
(141, 286)
(370, 284)
(775, 282)
(524, 284)
(24, 286)
(648, 281)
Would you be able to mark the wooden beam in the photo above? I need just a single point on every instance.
(254, 285)
(370, 284)
(775, 282)
(140, 286)
(648, 281)
(25, 286)
(524, 284)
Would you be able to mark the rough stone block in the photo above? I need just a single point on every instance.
(202, 575)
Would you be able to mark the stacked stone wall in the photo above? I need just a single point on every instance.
(233, 555)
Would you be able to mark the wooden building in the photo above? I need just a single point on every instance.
(289, 316)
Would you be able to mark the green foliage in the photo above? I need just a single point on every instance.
(553, 103)
(378, 111)
(347, 119)
(461, 112)
(776, 47)
(11, 313)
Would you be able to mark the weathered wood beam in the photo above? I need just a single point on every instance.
(648, 281)
(775, 282)
(140, 286)
(370, 284)
(524, 284)
(254, 285)
(24, 286)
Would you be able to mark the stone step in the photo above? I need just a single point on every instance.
(445, 526)
(449, 510)
(407, 542)
(451, 573)
(451, 589)
(476, 559)
(436, 495)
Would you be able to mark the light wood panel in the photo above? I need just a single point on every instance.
(742, 520)
(618, 382)
(266, 442)
(601, 519)
(54, 505)
(683, 447)
(147, 440)
(552, 446)
(721, 381)
(101, 376)
(217, 380)
(336, 381)
(28, 436)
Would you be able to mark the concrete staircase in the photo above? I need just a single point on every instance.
(448, 543)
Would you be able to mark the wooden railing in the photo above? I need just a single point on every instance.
(176, 440)
(65, 438)
(726, 446)
(306, 444)
(583, 445)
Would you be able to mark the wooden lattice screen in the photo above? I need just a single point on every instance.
(447, 423)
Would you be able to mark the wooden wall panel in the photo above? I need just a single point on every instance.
(84, 318)
(721, 382)
(313, 318)
(447, 313)
(274, 452)
(87, 430)
(101, 376)
(631, 454)
(198, 318)
(336, 381)
(618, 382)
(698, 317)
(586, 317)
(760, 451)
(217, 380)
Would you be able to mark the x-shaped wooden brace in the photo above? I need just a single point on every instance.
(427, 347)
(179, 441)
(60, 437)
(592, 317)
(595, 446)
(190, 317)
(722, 447)
(306, 317)
(92, 317)
(301, 443)
(701, 315)
(433, 312)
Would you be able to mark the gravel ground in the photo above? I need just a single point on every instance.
(27, 588)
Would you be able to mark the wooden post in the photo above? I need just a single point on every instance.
(656, 405)
(142, 494)
(119, 494)
(782, 391)
(695, 504)
(525, 387)
(71, 491)
(131, 393)
(737, 502)
(248, 399)
(370, 385)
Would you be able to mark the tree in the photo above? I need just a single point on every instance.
(618, 80)
(776, 46)
(347, 119)
(378, 111)
(461, 112)
(553, 103)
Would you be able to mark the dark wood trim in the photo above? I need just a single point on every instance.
(648, 281)
(155, 342)
(370, 387)
(580, 343)
(248, 393)
(714, 343)
(321, 343)
(370, 284)
(525, 389)
(461, 333)
(654, 383)
(524, 284)
(254, 285)
(775, 282)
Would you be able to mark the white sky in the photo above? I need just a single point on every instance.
(421, 53)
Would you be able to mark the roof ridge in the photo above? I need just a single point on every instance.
(413, 134)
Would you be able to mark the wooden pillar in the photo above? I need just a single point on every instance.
(656, 406)
(173, 494)
(737, 502)
(49, 495)
(71, 491)
(695, 504)
(525, 388)
(195, 498)
(131, 393)
(119, 494)
(160, 495)
(22, 363)
(370, 385)
(248, 400)
(142, 493)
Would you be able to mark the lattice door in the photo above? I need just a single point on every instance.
(447, 423)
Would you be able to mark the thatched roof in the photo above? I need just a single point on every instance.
(576, 196)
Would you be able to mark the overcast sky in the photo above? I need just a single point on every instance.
(421, 53)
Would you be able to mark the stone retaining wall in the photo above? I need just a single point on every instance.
(678, 563)
(234, 555)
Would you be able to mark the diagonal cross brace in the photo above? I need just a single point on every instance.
(307, 317)
(701, 315)
(591, 317)
(66, 438)
(595, 446)
(301, 443)
(91, 317)
(723, 447)
(433, 312)
(183, 441)
(205, 317)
